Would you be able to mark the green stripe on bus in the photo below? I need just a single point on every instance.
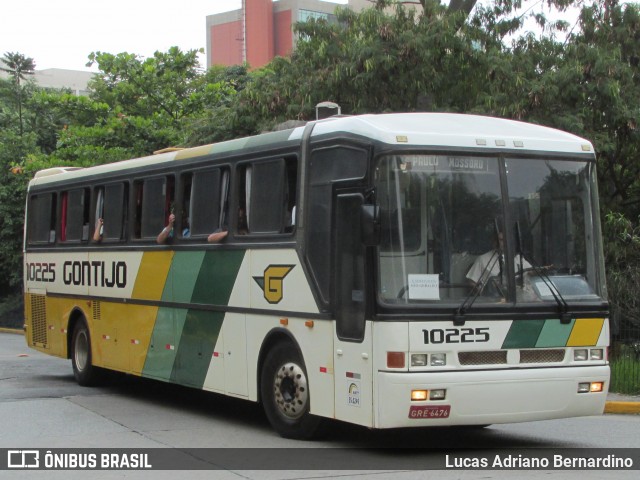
(554, 334)
(182, 276)
(217, 276)
(199, 337)
(523, 334)
(162, 351)
(183, 340)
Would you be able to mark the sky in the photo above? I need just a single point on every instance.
(62, 33)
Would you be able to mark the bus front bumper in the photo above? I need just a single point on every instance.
(488, 396)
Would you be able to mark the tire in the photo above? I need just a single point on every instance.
(81, 359)
(285, 393)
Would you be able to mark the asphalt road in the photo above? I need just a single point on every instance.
(42, 407)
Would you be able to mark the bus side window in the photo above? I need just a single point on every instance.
(74, 217)
(110, 205)
(328, 166)
(291, 192)
(267, 202)
(208, 201)
(154, 199)
(42, 218)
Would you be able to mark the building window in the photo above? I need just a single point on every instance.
(305, 15)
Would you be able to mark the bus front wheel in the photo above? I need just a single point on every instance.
(81, 359)
(285, 393)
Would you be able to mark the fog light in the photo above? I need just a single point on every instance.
(419, 360)
(597, 354)
(438, 359)
(437, 394)
(419, 395)
(597, 387)
(584, 387)
(580, 355)
(395, 359)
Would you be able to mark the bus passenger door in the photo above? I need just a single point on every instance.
(353, 345)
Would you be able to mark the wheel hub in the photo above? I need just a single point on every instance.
(290, 390)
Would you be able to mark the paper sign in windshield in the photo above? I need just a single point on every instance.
(424, 287)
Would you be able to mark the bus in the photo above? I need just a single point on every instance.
(392, 270)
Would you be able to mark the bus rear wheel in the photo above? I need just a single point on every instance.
(285, 393)
(81, 359)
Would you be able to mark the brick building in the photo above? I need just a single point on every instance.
(262, 29)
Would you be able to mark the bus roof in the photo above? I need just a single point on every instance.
(409, 129)
(457, 130)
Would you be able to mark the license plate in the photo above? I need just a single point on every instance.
(429, 411)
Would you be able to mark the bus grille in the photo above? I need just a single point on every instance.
(95, 310)
(38, 319)
(495, 357)
(542, 356)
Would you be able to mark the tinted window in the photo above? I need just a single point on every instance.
(74, 216)
(42, 218)
(111, 206)
(206, 201)
(267, 196)
(154, 203)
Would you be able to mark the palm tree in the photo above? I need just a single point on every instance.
(18, 67)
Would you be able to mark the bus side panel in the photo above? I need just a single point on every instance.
(354, 379)
(40, 330)
(185, 340)
(315, 343)
(277, 282)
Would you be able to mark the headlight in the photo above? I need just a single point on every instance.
(419, 360)
(438, 359)
(580, 355)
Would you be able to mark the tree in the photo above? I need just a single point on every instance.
(18, 67)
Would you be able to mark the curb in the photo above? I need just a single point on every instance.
(622, 407)
(17, 331)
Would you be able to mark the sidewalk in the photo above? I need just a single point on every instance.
(616, 403)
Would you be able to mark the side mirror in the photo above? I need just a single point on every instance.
(370, 225)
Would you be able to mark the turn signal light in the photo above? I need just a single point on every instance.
(419, 395)
(597, 387)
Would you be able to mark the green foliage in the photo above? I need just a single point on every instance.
(622, 254)
(370, 62)
(625, 366)
(13, 183)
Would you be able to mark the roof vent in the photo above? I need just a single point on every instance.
(326, 110)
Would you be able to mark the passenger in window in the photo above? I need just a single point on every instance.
(186, 230)
(99, 230)
(167, 232)
(217, 236)
(222, 233)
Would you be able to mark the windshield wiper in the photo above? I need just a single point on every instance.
(563, 306)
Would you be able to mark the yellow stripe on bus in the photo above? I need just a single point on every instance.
(586, 332)
(152, 275)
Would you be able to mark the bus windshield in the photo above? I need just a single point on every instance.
(500, 230)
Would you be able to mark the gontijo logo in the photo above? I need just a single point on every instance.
(272, 282)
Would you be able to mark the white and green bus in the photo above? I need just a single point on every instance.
(397, 270)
